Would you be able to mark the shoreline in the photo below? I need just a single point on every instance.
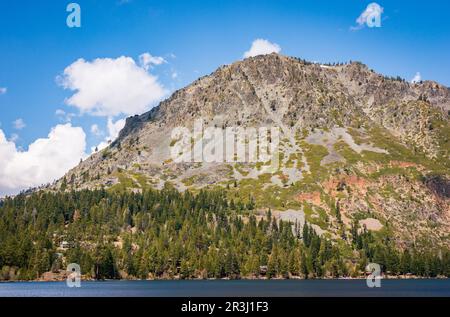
(228, 279)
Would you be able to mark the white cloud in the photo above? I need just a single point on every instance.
(45, 160)
(262, 47)
(96, 130)
(3, 90)
(60, 112)
(19, 124)
(113, 132)
(115, 127)
(417, 78)
(64, 116)
(14, 137)
(146, 60)
(370, 16)
(109, 87)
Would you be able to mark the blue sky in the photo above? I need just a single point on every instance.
(194, 38)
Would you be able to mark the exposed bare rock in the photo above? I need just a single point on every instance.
(352, 140)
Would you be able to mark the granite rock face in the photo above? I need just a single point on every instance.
(352, 140)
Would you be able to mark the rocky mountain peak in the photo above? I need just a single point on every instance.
(370, 144)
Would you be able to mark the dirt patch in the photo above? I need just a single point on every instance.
(312, 198)
(403, 164)
(334, 185)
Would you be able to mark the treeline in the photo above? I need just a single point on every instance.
(167, 234)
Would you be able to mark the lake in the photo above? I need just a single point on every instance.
(221, 288)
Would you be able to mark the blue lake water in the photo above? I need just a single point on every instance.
(221, 288)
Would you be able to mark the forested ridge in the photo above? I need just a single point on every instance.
(168, 234)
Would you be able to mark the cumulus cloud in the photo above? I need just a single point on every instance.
(262, 47)
(19, 124)
(417, 78)
(96, 130)
(46, 159)
(115, 127)
(3, 90)
(110, 87)
(147, 61)
(371, 16)
(64, 116)
(113, 132)
(14, 137)
(60, 112)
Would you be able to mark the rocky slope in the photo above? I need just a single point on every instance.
(356, 147)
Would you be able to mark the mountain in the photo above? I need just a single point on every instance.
(356, 147)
